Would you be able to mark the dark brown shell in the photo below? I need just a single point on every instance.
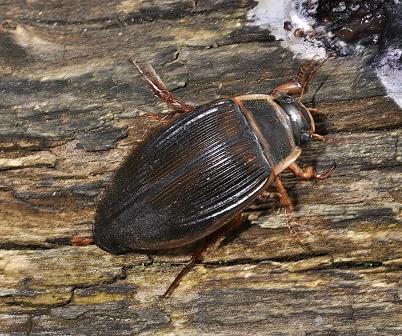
(184, 183)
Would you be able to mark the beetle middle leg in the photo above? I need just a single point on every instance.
(293, 225)
(283, 195)
(197, 256)
(159, 89)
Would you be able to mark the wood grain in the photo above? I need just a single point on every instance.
(71, 109)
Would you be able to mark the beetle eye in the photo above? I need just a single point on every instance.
(305, 137)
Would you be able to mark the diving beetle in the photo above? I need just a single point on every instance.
(192, 178)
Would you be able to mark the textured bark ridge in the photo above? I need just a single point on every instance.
(70, 112)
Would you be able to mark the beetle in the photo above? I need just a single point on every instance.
(192, 178)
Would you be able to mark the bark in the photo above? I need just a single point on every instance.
(71, 110)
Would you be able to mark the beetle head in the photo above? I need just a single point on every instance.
(302, 122)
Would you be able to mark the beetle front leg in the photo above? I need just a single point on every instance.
(309, 173)
(197, 257)
(159, 89)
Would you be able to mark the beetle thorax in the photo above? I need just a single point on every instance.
(300, 118)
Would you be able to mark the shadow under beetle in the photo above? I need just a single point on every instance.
(192, 178)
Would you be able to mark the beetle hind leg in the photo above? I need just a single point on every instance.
(159, 89)
(79, 240)
(197, 257)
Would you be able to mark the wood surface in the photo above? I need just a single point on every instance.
(70, 109)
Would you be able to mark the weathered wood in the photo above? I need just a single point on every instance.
(70, 112)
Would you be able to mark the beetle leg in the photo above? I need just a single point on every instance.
(159, 89)
(198, 255)
(263, 198)
(299, 85)
(309, 173)
(318, 137)
(81, 240)
(163, 118)
(293, 225)
(283, 195)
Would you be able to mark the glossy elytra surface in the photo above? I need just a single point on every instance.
(184, 182)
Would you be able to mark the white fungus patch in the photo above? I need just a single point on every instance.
(389, 71)
(272, 14)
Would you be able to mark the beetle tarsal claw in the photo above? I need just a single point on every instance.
(327, 173)
(298, 229)
(318, 137)
(158, 117)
